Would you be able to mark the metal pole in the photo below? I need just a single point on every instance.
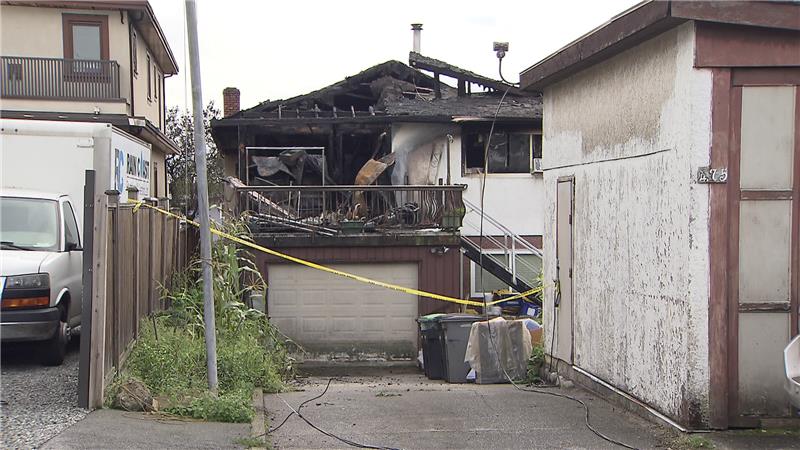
(202, 195)
(449, 140)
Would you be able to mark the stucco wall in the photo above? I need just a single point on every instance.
(633, 130)
(16, 39)
(516, 200)
(152, 107)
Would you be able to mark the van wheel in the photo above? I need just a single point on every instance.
(55, 348)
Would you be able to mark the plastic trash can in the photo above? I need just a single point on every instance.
(432, 346)
(455, 330)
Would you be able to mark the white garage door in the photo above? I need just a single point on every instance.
(327, 313)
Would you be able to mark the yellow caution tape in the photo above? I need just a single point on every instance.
(351, 276)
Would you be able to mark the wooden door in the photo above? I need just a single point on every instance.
(764, 247)
(564, 344)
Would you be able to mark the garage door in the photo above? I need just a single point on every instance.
(331, 314)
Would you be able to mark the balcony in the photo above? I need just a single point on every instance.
(350, 210)
(59, 79)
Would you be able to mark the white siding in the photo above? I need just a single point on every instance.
(516, 200)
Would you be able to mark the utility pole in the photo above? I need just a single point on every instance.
(202, 195)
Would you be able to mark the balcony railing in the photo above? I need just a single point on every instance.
(59, 79)
(333, 210)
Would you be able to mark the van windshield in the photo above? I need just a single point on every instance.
(28, 224)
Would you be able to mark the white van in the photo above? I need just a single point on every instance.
(42, 170)
(41, 260)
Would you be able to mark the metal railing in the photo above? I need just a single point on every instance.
(333, 210)
(509, 244)
(58, 78)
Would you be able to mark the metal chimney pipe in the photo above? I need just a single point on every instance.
(417, 29)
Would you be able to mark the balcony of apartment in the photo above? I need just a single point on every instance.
(23, 79)
(351, 215)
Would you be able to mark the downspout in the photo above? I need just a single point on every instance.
(130, 63)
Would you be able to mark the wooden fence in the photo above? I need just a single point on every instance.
(134, 252)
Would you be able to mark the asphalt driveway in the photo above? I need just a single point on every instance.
(410, 411)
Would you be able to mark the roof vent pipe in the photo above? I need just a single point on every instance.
(417, 29)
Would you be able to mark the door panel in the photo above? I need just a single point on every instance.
(767, 137)
(762, 337)
(765, 229)
(564, 311)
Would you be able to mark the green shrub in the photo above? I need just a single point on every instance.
(232, 406)
(169, 355)
(535, 363)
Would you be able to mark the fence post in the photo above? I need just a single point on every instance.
(133, 194)
(150, 250)
(99, 300)
(85, 392)
(163, 203)
(113, 203)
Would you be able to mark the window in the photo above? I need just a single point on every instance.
(85, 37)
(134, 53)
(158, 84)
(71, 236)
(149, 80)
(29, 223)
(510, 151)
(527, 266)
(85, 40)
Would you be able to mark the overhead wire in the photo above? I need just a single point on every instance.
(485, 297)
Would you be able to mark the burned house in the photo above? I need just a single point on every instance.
(379, 175)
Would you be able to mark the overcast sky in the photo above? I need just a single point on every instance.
(278, 49)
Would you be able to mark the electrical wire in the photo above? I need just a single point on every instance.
(485, 299)
(500, 68)
(296, 412)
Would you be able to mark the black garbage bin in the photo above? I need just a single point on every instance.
(455, 332)
(432, 346)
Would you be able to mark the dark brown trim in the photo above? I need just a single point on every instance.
(756, 14)
(765, 195)
(725, 45)
(68, 20)
(752, 307)
(624, 31)
(795, 237)
(733, 252)
(766, 76)
(718, 252)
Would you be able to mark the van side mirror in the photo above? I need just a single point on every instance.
(74, 247)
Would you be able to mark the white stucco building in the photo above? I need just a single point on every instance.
(661, 286)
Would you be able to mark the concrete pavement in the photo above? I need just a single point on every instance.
(108, 428)
(410, 411)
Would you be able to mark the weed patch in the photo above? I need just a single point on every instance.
(169, 355)
(693, 442)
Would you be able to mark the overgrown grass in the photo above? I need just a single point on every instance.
(694, 442)
(170, 358)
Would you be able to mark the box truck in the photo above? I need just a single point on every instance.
(42, 175)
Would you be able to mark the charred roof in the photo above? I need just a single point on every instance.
(394, 90)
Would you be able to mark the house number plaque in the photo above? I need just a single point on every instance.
(712, 175)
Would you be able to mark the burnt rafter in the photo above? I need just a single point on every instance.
(364, 92)
(464, 76)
